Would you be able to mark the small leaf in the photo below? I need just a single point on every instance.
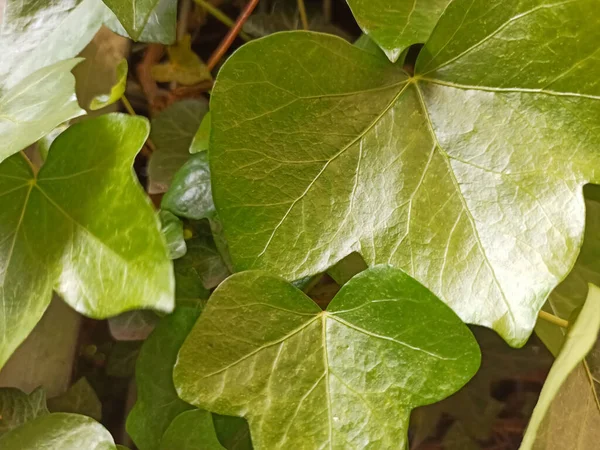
(396, 28)
(384, 346)
(567, 415)
(146, 20)
(190, 193)
(191, 430)
(200, 142)
(36, 105)
(116, 91)
(132, 325)
(184, 66)
(172, 230)
(147, 423)
(18, 408)
(172, 133)
(79, 399)
(59, 431)
(52, 237)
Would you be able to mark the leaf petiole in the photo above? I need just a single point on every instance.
(553, 319)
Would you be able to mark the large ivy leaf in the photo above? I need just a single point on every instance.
(59, 431)
(396, 25)
(468, 175)
(51, 235)
(384, 346)
(191, 430)
(146, 20)
(36, 105)
(172, 133)
(18, 408)
(566, 415)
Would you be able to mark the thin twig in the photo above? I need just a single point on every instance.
(233, 32)
(221, 17)
(152, 56)
(553, 319)
(128, 106)
(303, 16)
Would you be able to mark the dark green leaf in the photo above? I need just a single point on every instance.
(190, 194)
(191, 430)
(350, 375)
(172, 230)
(172, 133)
(396, 26)
(59, 431)
(453, 175)
(200, 142)
(51, 235)
(36, 105)
(344, 270)
(79, 399)
(567, 414)
(18, 408)
(233, 432)
(157, 401)
(146, 20)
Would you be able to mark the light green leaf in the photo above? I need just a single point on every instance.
(146, 20)
(184, 66)
(453, 175)
(116, 91)
(191, 430)
(79, 399)
(233, 432)
(172, 230)
(566, 415)
(147, 423)
(18, 408)
(200, 142)
(59, 431)
(132, 325)
(37, 104)
(39, 33)
(172, 133)
(52, 237)
(384, 346)
(190, 194)
(396, 25)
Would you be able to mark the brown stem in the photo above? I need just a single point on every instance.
(233, 32)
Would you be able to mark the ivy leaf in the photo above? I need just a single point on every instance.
(191, 430)
(38, 33)
(172, 133)
(52, 237)
(18, 408)
(200, 142)
(137, 15)
(146, 423)
(59, 431)
(160, 27)
(452, 175)
(398, 26)
(190, 193)
(36, 105)
(132, 325)
(116, 91)
(80, 399)
(172, 230)
(567, 390)
(384, 346)
(233, 432)
(184, 66)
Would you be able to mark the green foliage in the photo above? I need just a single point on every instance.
(18, 408)
(79, 399)
(259, 332)
(116, 91)
(191, 430)
(146, 20)
(172, 230)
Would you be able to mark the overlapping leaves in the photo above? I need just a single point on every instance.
(467, 175)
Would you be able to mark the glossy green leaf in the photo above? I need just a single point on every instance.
(172, 230)
(18, 408)
(468, 175)
(59, 431)
(147, 422)
(191, 430)
(39, 33)
(52, 237)
(566, 415)
(116, 91)
(200, 141)
(190, 193)
(384, 346)
(79, 399)
(233, 432)
(172, 133)
(146, 20)
(36, 105)
(396, 25)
